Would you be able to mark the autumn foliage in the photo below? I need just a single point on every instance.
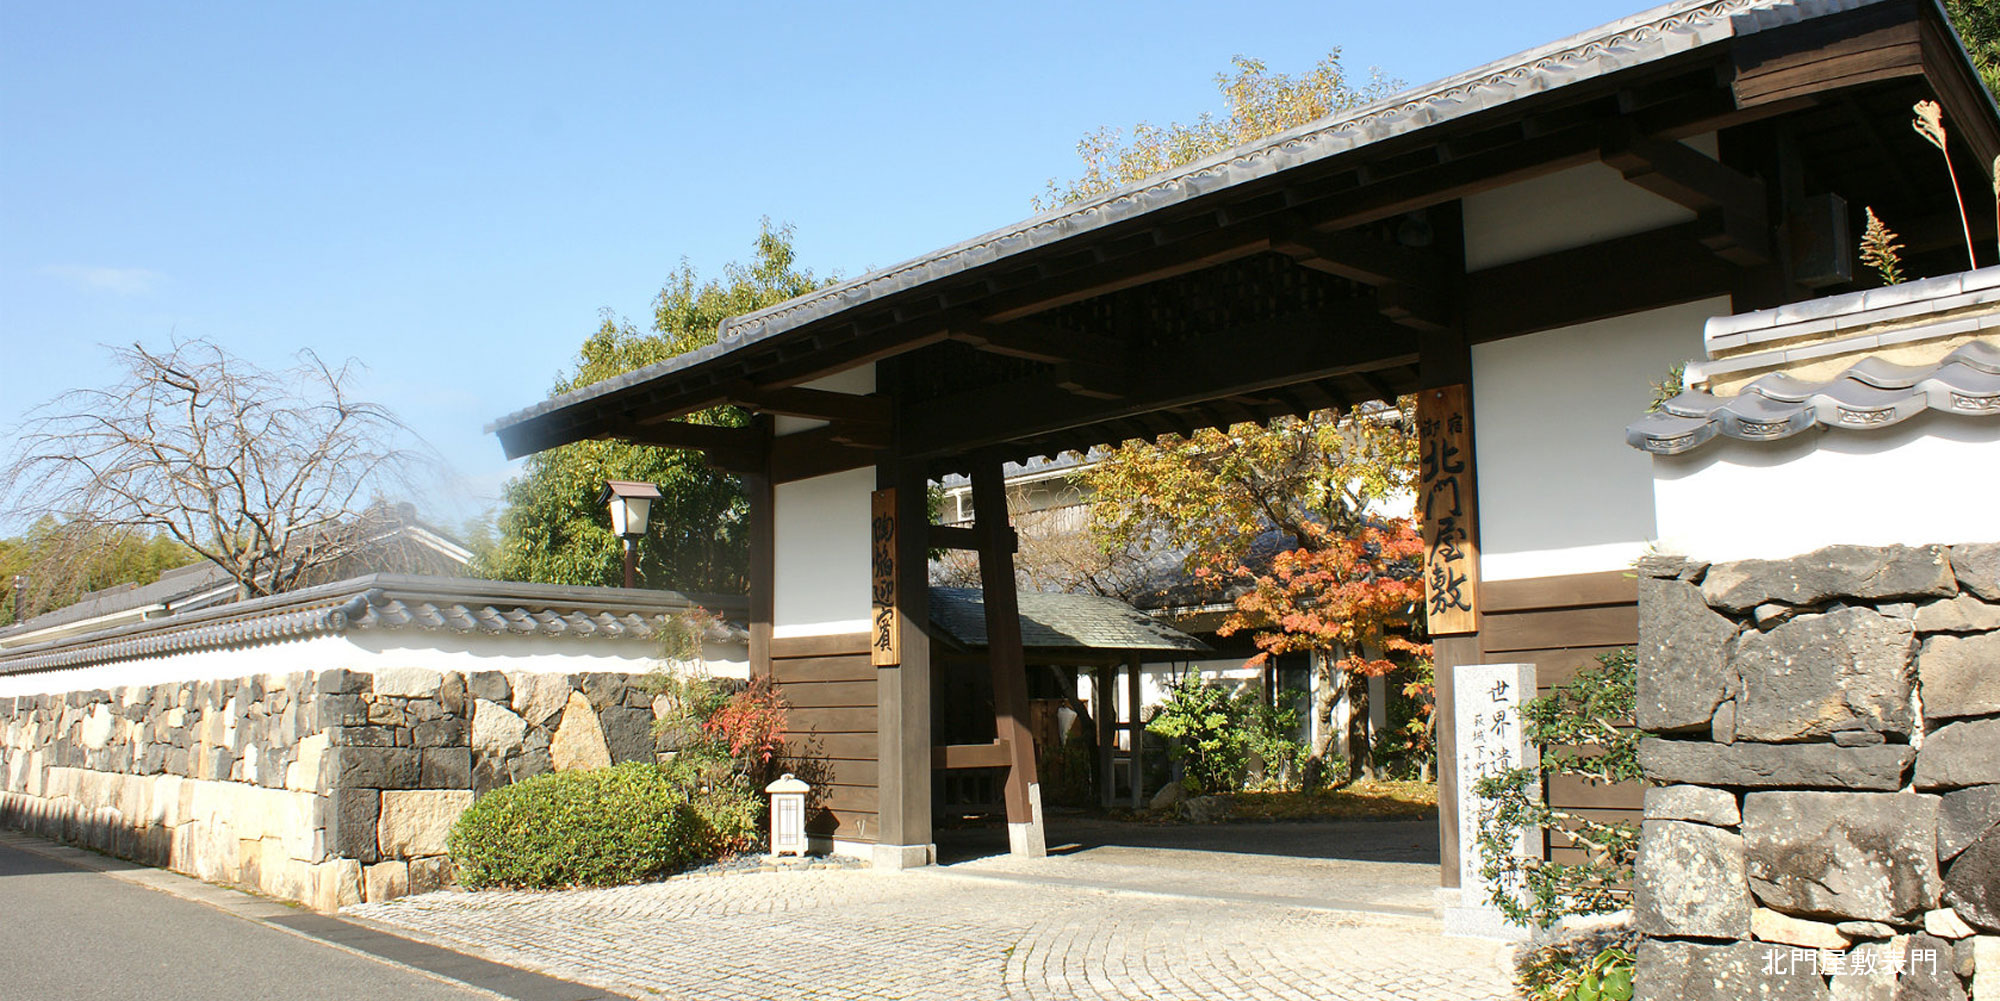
(751, 723)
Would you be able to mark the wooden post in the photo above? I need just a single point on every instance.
(763, 561)
(1446, 361)
(1003, 649)
(903, 688)
(1135, 731)
(1104, 710)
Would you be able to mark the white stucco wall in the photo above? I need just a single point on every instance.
(1559, 490)
(1569, 208)
(822, 538)
(366, 651)
(1932, 479)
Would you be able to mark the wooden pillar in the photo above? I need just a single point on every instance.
(1446, 361)
(762, 496)
(1104, 711)
(1135, 729)
(903, 690)
(1003, 649)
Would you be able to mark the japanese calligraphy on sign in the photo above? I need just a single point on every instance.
(1486, 703)
(1448, 505)
(885, 644)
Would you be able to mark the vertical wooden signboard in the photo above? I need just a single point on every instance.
(885, 643)
(1449, 507)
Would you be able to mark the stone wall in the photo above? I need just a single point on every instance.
(325, 788)
(1824, 742)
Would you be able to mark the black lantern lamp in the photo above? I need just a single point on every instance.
(630, 504)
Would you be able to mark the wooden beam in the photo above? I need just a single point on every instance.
(814, 404)
(1025, 834)
(998, 754)
(1036, 341)
(1298, 348)
(903, 692)
(1359, 257)
(1135, 766)
(818, 452)
(1687, 178)
(1663, 267)
(760, 492)
(953, 537)
(1103, 711)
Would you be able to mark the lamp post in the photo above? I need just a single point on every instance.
(630, 504)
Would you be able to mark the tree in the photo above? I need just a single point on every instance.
(1287, 520)
(59, 565)
(1259, 104)
(268, 475)
(1978, 24)
(553, 530)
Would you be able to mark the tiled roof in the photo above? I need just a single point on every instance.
(1060, 622)
(385, 602)
(1869, 395)
(173, 586)
(1639, 40)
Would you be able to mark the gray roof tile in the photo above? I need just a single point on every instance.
(1060, 622)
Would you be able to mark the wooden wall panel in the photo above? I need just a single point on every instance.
(831, 735)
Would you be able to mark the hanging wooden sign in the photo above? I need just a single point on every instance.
(885, 643)
(1449, 507)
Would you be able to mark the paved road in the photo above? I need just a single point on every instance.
(72, 934)
(1109, 923)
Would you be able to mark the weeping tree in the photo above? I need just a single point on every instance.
(266, 474)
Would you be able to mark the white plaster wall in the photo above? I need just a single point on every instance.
(1931, 479)
(374, 651)
(822, 538)
(1569, 208)
(1559, 490)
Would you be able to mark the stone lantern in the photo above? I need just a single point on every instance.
(788, 815)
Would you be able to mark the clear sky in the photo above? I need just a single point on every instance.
(450, 192)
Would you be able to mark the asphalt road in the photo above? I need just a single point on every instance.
(72, 934)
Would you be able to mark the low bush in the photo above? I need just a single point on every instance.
(607, 826)
(1591, 966)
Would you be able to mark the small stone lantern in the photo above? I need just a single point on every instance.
(788, 815)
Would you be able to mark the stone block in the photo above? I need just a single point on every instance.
(447, 768)
(1927, 971)
(362, 736)
(1843, 856)
(1986, 968)
(1767, 925)
(302, 774)
(447, 731)
(407, 682)
(418, 821)
(1690, 880)
(1965, 753)
(628, 733)
(1683, 668)
(1964, 816)
(489, 685)
(1946, 924)
(1820, 673)
(336, 884)
(451, 693)
(1692, 803)
(604, 690)
(578, 742)
(1859, 930)
(1686, 971)
(1961, 675)
(540, 696)
(433, 873)
(1972, 883)
(385, 881)
(340, 710)
(1978, 568)
(1860, 572)
(374, 767)
(1765, 766)
(350, 817)
(341, 681)
(1963, 614)
(496, 730)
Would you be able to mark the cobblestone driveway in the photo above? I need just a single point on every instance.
(973, 932)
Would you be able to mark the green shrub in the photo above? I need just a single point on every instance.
(1594, 966)
(606, 826)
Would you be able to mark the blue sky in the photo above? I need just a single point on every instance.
(450, 192)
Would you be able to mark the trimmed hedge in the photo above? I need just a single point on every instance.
(604, 827)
